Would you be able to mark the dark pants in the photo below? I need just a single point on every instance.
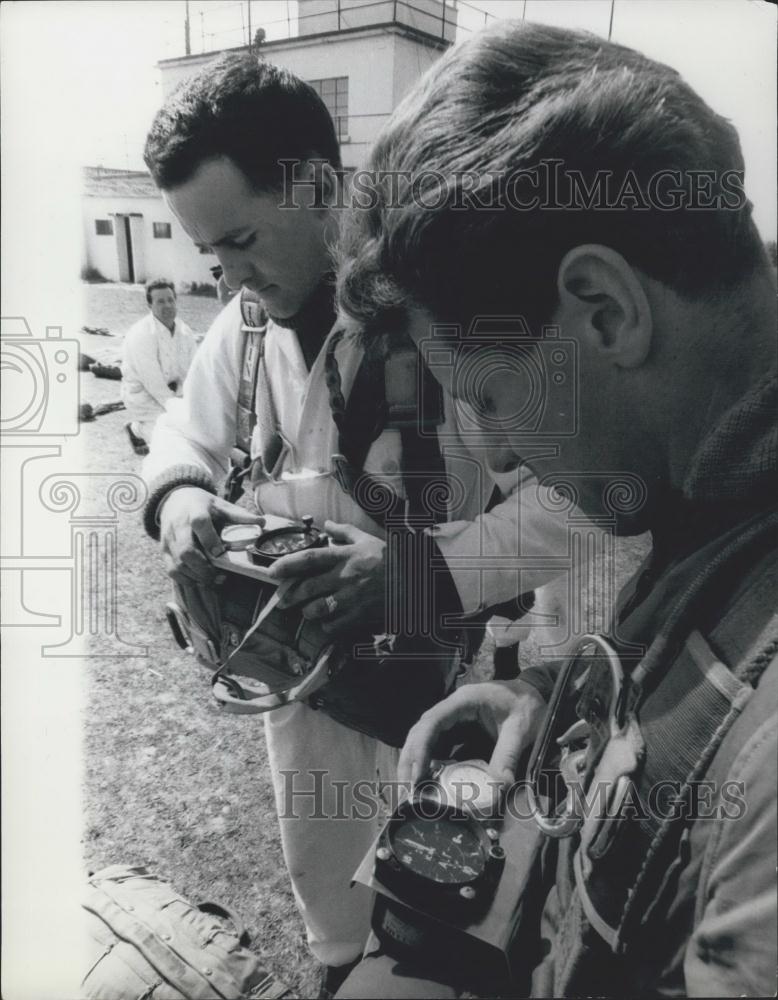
(381, 976)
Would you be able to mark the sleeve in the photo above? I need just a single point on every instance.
(542, 677)
(733, 947)
(519, 545)
(197, 431)
(140, 355)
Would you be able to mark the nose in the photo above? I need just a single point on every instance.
(237, 268)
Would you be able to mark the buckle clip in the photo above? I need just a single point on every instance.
(343, 473)
(240, 463)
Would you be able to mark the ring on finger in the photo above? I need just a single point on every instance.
(331, 602)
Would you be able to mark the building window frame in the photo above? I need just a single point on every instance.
(333, 90)
(103, 227)
(162, 230)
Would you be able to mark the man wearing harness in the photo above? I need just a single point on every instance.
(215, 149)
(673, 312)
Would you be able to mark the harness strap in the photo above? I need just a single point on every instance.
(253, 328)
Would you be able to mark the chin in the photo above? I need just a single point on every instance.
(278, 307)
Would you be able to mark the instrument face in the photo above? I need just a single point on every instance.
(251, 549)
(272, 545)
(440, 851)
(443, 850)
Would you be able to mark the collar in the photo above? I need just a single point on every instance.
(738, 459)
(732, 476)
(160, 327)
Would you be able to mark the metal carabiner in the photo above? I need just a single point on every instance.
(568, 818)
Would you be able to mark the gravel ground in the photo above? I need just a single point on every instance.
(171, 782)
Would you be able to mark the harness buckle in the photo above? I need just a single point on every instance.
(343, 473)
(240, 463)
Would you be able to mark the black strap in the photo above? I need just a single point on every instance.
(385, 395)
(424, 471)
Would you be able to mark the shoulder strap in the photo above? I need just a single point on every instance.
(253, 329)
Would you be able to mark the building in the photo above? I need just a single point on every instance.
(130, 234)
(362, 56)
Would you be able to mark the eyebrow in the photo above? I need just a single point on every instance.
(227, 238)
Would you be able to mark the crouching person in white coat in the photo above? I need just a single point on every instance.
(157, 353)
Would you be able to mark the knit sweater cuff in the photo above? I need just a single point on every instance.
(171, 479)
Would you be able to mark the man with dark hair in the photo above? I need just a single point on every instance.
(156, 356)
(218, 149)
(587, 192)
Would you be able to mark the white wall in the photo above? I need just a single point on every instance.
(175, 258)
(411, 62)
(380, 65)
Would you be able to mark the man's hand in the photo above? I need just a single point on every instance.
(190, 521)
(510, 712)
(341, 585)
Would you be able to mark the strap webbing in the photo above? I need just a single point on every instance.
(253, 328)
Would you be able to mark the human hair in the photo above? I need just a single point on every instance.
(154, 284)
(243, 108)
(458, 230)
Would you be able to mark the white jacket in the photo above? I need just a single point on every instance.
(151, 359)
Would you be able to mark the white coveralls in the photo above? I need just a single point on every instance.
(199, 429)
(152, 358)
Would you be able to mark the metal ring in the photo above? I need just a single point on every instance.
(332, 603)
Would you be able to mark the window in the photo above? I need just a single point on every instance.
(103, 227)
(334, 92)
(162, 231)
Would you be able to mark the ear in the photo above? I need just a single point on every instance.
(600, 296)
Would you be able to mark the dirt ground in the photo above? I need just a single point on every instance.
(170, 781)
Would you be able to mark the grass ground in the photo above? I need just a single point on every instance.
(170, 781)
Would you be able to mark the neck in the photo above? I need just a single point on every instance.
(314, 321)
(729, 349)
